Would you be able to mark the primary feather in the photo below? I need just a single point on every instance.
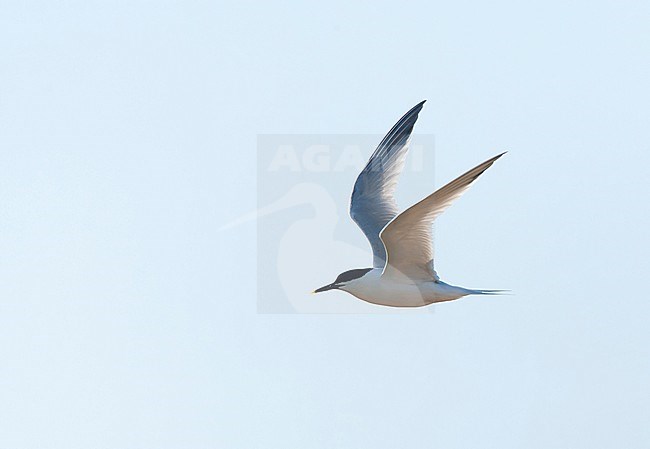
(373, 203)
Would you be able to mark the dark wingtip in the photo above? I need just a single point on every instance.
(412, 115)
(415, 109)
(497, 157)
(419, 106)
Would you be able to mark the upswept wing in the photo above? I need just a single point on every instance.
(407, 238)
(372, 204)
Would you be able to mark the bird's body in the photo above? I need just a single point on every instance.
(374, 288)
(402, 274)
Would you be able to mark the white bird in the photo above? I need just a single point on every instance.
(402, 274)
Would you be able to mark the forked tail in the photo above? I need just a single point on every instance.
(492, 292)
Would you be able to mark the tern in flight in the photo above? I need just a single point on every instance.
(402, 274)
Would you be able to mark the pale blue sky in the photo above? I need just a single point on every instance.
(129, 135)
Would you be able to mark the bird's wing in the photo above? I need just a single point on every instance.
(407, 238)
(372, 204)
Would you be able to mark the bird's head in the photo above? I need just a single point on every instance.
(344, 279)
